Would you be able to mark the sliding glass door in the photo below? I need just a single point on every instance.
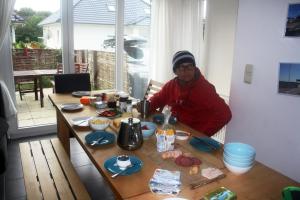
(110, 36)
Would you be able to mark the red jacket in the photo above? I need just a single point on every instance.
(196, 105)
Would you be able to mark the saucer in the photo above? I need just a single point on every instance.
(111, 165)
(205, 144)
(81, 93)
(109, 138)
(71, 106)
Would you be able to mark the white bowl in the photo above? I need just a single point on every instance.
(237, 170)
(99, 123)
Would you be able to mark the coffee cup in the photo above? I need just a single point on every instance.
(123, 161)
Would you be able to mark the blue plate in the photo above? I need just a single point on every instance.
(111, 165)
(109, 138)
(205, 144)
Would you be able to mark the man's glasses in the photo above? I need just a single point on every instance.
(185, 67)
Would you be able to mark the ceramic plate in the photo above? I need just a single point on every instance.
(71, 106)
(81, 121)
(109, 138)
(205, 144)
(111, 165)
(81, 93)
(110, 113)
(182, 135)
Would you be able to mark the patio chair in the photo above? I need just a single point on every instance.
(26, 85)
(81, 67)
(68, 83)
(153, 87)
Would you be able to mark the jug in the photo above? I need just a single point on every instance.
(130, 134)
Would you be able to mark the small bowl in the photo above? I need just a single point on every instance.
(237, 170)
(148, 129)
(123, 161)
(99, 123)
(238, 163)
(239, 158)
(239, 149)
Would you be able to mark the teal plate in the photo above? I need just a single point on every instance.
(109, 138)
(111, 165)
(205, 144)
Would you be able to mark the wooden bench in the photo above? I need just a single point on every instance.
(49, 173)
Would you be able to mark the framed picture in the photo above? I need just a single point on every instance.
(293, 20)
(289, 78)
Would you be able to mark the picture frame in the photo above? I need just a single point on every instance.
(289, 78)
(292, 28)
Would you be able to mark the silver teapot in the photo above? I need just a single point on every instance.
(130, 134)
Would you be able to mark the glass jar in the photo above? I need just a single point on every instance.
(129, 105)
(123, 103)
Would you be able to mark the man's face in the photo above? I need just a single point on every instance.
(185, 72)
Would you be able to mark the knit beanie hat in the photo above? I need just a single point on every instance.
(182, 57)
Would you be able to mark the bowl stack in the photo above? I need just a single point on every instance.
(238, 157)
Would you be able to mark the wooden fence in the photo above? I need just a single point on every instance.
(101, 64)
(28, 59)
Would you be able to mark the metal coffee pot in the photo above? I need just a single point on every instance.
(130, 134)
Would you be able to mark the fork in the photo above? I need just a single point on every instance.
(97, 141)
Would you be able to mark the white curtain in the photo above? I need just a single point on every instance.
(6, 8)
(175, 25)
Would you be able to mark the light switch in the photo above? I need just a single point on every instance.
(248, 73)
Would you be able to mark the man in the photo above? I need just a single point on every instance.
(193, 99)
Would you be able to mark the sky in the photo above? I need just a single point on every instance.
(289, 72)
(38, 5)
(294, 10)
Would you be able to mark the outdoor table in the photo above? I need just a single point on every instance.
(37, 76)
(261, 182)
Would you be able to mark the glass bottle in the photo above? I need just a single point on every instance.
(166, 134)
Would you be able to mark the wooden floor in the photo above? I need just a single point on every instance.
(94, 183)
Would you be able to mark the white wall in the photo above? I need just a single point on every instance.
(221, 22)
(90, 36)
(261, 117)
(52, 35)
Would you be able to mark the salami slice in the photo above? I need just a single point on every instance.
(187, 161)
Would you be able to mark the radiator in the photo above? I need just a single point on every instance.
(220, 135)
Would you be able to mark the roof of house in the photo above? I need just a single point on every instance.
(15, 18)
(137, 12)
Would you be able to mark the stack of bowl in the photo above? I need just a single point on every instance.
(238, 157)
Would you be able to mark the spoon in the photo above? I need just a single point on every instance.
(126, 168)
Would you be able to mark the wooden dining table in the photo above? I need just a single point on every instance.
(261, 182)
